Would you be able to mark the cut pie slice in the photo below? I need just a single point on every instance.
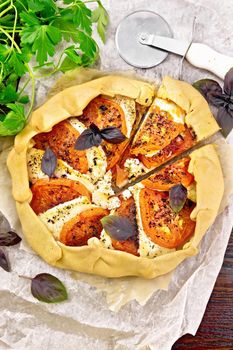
(120, 112)
(160, 230)
(173, 124)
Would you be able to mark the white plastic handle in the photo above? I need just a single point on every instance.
(202, 56)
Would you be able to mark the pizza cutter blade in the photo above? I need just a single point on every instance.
(128, 36)
(143, 39)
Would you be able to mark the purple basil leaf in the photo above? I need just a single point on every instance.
(49, 162)
(118, 227)
(177, 197)
(211, 90)
(225, 119)
(216, 99)
(9, 238)
(95, 129)
(113, 135)
(4, 223)
(47, 288)
(228, 83)
(4, 263)
(87, 139)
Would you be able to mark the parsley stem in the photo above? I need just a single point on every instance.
(11, 39)
(6, 10)
(4, 3)
(24, 86)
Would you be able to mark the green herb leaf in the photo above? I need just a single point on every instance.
(118, 227)
(67, 64)
(42, 39)
(72, 54)
(47, 288)
(100, 16)
(4, 263)
(81, 15)
(177, 197)
(88, 45)
(14, 121)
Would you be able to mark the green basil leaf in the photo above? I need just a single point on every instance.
(49, 162)
(119, 228)
(9, 238)
(47, 288)
(4, 263)
(177, 197)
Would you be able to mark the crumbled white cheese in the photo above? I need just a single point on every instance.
(96, 157)
(134, 168)
(106, 240)
(126, 194)
(55, 217)
(147, 248)
(175, 111)
(103, 195)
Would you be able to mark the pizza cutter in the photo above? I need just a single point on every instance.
(144, 38)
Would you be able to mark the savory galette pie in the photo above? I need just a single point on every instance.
(88, 138)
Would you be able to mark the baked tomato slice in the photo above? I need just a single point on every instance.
(85, 225)
(127, 209)
(104, 112)
(173, 174)
(156, 132)
(47, 194)
(180, 144)
(61, 139)
(161, 224)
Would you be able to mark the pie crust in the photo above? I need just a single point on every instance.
(94, 258)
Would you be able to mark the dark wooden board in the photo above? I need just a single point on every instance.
(216, 329)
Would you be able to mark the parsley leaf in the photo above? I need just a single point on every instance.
(100, 16)
(14, 121)
(43, 39)
(34, 28)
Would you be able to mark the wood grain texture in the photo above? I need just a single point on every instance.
(216, 329)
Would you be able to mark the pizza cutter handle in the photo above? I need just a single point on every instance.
(203, 56)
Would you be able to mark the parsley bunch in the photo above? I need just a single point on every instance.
(30, 31)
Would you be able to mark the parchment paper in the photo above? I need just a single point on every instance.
(85, 321)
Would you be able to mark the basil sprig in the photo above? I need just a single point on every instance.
(221, 98)
(93, 136)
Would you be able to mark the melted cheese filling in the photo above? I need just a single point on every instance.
(129, 108)
(57, 216)
(103, 195)
(170, 107)
(63, 170)
(96, 157)
(147, 248)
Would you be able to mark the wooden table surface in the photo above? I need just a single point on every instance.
(216, 329)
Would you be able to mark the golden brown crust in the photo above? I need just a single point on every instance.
(94, 258)
(198, 114)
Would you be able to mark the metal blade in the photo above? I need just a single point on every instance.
(119, 190)
(176, 46)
